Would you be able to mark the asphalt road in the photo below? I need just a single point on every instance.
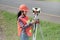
(51, 10)
(47, 7)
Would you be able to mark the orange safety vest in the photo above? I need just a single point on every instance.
(28, 30)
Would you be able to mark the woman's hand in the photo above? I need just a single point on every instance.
(36, 21)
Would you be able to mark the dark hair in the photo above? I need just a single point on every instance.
(19, 14)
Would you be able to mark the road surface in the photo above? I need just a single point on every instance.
(47, 7)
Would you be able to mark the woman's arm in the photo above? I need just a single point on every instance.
(25, 26)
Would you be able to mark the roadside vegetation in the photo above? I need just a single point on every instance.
(51, 31)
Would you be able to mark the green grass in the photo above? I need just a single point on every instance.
(51, 31)
(10, 28)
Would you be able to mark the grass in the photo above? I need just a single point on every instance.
(51, 31)
(10, 28)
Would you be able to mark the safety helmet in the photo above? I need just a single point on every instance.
(23, 7)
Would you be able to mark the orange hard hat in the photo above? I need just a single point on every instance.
(23, 7)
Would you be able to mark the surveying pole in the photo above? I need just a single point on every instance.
(36, 12)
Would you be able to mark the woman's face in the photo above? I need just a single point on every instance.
(24, 13)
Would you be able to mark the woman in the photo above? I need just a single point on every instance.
(24, 24)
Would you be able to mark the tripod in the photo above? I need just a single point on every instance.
(36, 12)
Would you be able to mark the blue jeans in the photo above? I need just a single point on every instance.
(24, 36)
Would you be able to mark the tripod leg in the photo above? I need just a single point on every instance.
(35, 32)
(34, 29)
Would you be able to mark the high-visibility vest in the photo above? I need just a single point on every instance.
(28, 30)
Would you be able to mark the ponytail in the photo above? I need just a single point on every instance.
(19, 14)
